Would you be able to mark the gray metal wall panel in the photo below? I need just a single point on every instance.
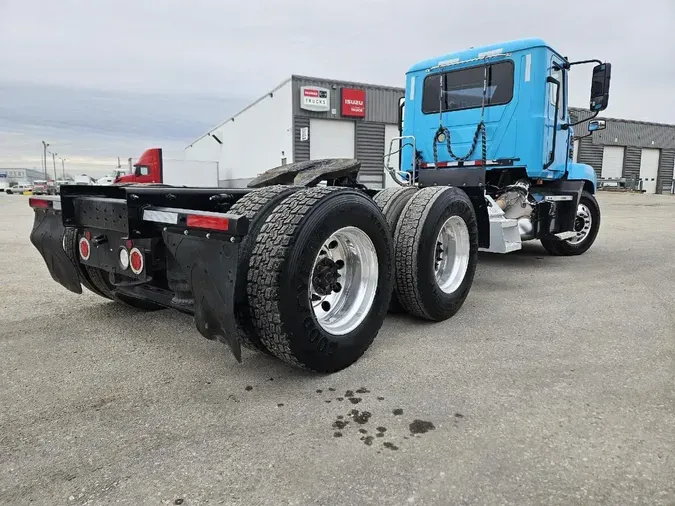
(666, 165)
(631, 162)
(590, 154)
(621, 132)
(300, 148)
(370, 152)
(381, 101)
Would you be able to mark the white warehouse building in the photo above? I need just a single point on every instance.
(301, 119)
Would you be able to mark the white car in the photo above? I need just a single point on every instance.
(3, 186)
(19, 189)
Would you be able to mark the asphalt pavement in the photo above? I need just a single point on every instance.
(554, 384)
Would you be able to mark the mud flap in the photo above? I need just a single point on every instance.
(210, 268)
(47, 237)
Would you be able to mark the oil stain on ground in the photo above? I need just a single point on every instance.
(361, 417)
(421, 427)
(340, 425)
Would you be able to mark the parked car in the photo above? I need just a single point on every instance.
(19, 189)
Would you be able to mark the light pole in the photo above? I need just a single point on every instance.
(54, 162)
(44, 158)
(63, 167)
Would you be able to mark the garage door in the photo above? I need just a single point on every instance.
(329, 138)
(612, 162)
(390, 131)
(649, 169)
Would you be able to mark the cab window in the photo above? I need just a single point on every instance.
(463, 88)
(559, 75)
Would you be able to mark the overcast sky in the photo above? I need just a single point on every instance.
(100, 79)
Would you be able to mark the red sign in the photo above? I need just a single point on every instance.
(353, 102)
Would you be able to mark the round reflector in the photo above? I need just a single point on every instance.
(136, 260)
(124, 258)
(84, 248)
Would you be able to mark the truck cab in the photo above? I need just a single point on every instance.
(502, 108)
(147, 169)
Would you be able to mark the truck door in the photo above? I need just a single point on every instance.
(557, 140)
(144, 174)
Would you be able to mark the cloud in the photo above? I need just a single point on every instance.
(128, 61)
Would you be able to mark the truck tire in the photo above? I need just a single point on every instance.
(392, 201)
(436, 251)
(99, 279)
(586, 225)
(256, 206)
(320, 278)
(70, 246)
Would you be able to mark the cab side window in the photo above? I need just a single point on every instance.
(559, 75)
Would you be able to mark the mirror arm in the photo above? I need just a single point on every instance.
(567, 125)
(577, 137)
(567, 65)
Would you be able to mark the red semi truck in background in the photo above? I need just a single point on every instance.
(152, 167)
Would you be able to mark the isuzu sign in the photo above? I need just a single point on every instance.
(313, 98)
(353, 102)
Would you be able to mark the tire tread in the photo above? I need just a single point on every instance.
(272, 246)
(251, 206)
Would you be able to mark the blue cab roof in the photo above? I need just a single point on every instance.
(506, 47)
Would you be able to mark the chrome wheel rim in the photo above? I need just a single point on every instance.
(452, 254)
(344, 281)
(582, 225)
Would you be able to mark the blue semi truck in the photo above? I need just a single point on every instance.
(305, 263)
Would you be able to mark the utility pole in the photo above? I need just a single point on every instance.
(54, 161)
(63, 167)
(44, 159)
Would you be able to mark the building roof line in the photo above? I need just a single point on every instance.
(351, 83)
(208, 132)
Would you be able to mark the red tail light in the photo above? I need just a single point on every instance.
(85, 248)
(209, 222)
(39, 203)
(136, 261)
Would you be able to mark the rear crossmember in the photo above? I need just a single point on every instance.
(205, 245)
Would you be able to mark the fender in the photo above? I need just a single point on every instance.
(583, 172)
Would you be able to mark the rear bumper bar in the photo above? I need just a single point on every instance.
(208, 258)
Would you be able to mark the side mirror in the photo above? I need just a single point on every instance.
(600, 86)
(596, 124)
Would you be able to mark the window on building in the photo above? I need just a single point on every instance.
(463, 89)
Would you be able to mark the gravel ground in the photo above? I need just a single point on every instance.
(553, 385)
